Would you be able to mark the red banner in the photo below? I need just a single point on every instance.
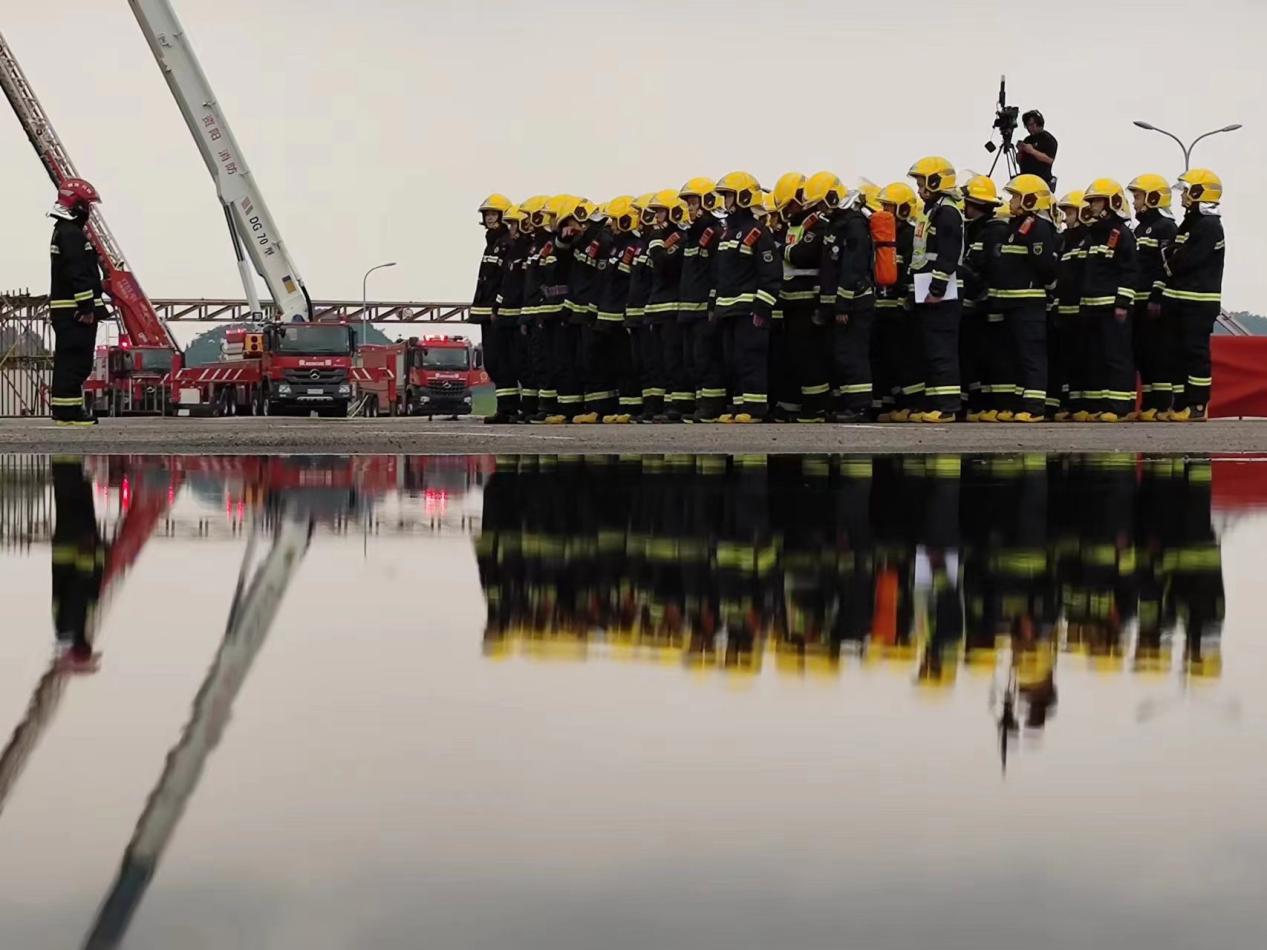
(1240, 376)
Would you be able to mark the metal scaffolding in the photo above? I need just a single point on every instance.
(26, 354)
(26, 501)
(225, 310)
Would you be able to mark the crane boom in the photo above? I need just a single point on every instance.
(140, 322)
(235, 185)
(255, 606)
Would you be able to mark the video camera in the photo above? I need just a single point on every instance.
(1006, 118)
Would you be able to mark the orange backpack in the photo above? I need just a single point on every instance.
(884, 237)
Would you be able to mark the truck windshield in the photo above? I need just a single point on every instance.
(311, 340)
(445, 357)
(154, 360)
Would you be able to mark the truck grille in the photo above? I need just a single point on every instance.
(315, 377)
(447, 386)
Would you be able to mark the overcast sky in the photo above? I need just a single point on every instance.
(376, 127)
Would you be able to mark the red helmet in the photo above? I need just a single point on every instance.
(75, 193)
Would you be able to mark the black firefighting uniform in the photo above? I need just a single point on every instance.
(584, 251)
(1066, 376)
(1194, 572)
(695, 298)
(807, 334)
(665, 251)
(497, 333)
(75, 295)
(508, 319)
(655, 387)
(939, 323)
(748, 276)
(538, 317)
(1191, 299)
(632, 381)
(567, 315)
(1019, 271)
(638, 392)
(785, 397)
(589, 274)
(608, 355)
(846, 304)
(897, 356)
(79, 557)
(1154, 232)
(981, 330)
(1108, 283)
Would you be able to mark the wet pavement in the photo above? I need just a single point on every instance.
(546, 701)
(468, 435)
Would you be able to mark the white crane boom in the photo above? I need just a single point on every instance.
(248, 215)
(255, 605)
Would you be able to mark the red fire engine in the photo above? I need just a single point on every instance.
(434, 376)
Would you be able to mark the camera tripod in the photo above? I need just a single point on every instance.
(1008, 148)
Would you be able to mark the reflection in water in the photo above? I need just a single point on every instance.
(931, 568)
(86, 571)
(936, 563)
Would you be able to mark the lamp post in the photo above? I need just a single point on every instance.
(1187, 149)
(365, 300)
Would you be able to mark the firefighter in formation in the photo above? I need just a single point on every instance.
(815, 302)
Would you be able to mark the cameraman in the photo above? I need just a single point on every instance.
(1037, 151)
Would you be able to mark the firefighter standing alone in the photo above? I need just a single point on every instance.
(75, 301)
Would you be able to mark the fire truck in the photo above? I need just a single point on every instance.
(128, 375)
(432, 376)
(283, 361)
(279, 368)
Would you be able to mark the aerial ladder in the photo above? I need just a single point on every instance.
(254, 608)
(251, 226)
(140, 325)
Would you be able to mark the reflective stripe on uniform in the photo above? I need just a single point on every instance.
(1192, 295)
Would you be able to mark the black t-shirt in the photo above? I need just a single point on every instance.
(1045, 142)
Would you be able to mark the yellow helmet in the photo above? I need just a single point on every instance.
(767, 203)
(514, 213)
(870, 192)
(1201, 185)
(1003, 211)
(823, 188)
(1155, 189)
(591, 209)
(535, 209)
(981, 190)
(934, 173)
(1035, 193)
(495, 202)
(622, 213)
(1071, 205)
(643, 204)
(788, 188)
(743, 186)
(1111, 191)
(902, 197)
(562, 207)
(701, 188)
(668, 200)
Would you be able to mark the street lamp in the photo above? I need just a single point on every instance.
(1187, 149)
(365, 300)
